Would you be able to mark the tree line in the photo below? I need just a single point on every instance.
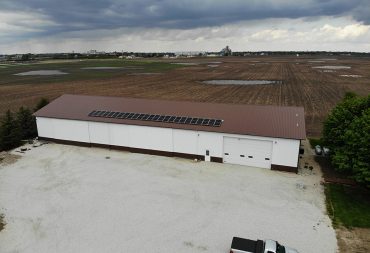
(19, 126)
(347, 133)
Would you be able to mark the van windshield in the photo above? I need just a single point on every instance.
(280, 248)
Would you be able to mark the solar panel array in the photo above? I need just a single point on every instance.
(157, 118)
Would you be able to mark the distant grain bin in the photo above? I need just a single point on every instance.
(226, 51)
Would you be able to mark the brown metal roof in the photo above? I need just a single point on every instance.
(270, 121)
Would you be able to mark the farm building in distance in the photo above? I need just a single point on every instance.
(260, 136)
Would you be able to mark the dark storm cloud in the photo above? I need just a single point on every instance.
(74, 15)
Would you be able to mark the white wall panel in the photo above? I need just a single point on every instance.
(285, 152)
(210, 141)
(72, 130)
(45, 127)
(119, 135)
(99, 133)
(155, 138)
(185, 141)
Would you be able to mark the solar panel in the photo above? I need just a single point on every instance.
(193, 121)
(182, 120)
(92, 114)
(218, 123)
(157, 118)
(177, 119)
(151, 116)
(120, 115)
(145, 117)
(99, 113)
(130, 115)
(199, 121)
(172, 119)
(166, 118)
(205, 122)
(141, 116)
(124, 116)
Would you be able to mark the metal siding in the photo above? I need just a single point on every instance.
(45, 127)
(73, 130)
(185, 141)
(284, 151)
(99, 133)
(155, 138)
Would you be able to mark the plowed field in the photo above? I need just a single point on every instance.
(317, 90)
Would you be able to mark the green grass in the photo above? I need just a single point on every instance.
(76, 73)
(348, 206)
(314, 142)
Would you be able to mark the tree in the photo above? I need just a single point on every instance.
(341, 117)
(41, 103)
(10, 134)
(354, 155)
(347, 133)
(27, 123)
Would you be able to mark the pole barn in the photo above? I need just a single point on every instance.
(259, 136)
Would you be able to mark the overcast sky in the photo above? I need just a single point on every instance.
(38, 26)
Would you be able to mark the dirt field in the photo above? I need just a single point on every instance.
(317, 89)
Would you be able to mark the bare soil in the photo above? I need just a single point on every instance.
(315, 90)
(354, 240)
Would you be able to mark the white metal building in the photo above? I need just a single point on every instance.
(260, 136)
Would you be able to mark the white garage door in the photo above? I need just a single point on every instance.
(256, 153)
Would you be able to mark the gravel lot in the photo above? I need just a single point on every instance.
(59, 198)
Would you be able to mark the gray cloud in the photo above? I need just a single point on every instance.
(38, 24)
(107, 14)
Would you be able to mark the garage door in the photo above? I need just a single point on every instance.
(250, 152)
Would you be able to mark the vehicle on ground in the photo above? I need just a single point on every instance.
(318, 150)
(326, 151)
(241, 245)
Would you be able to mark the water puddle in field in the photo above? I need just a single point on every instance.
(242, 82)
(42, 73)
(185, 63)
(111, 68)
(316, 61)
(354, 76)
(144, 74)
(214, 62)
(212, 66)
(332, 67)
(327, 59)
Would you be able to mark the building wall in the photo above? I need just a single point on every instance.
(284, 151)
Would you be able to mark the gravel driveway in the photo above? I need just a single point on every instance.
(59, 198)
